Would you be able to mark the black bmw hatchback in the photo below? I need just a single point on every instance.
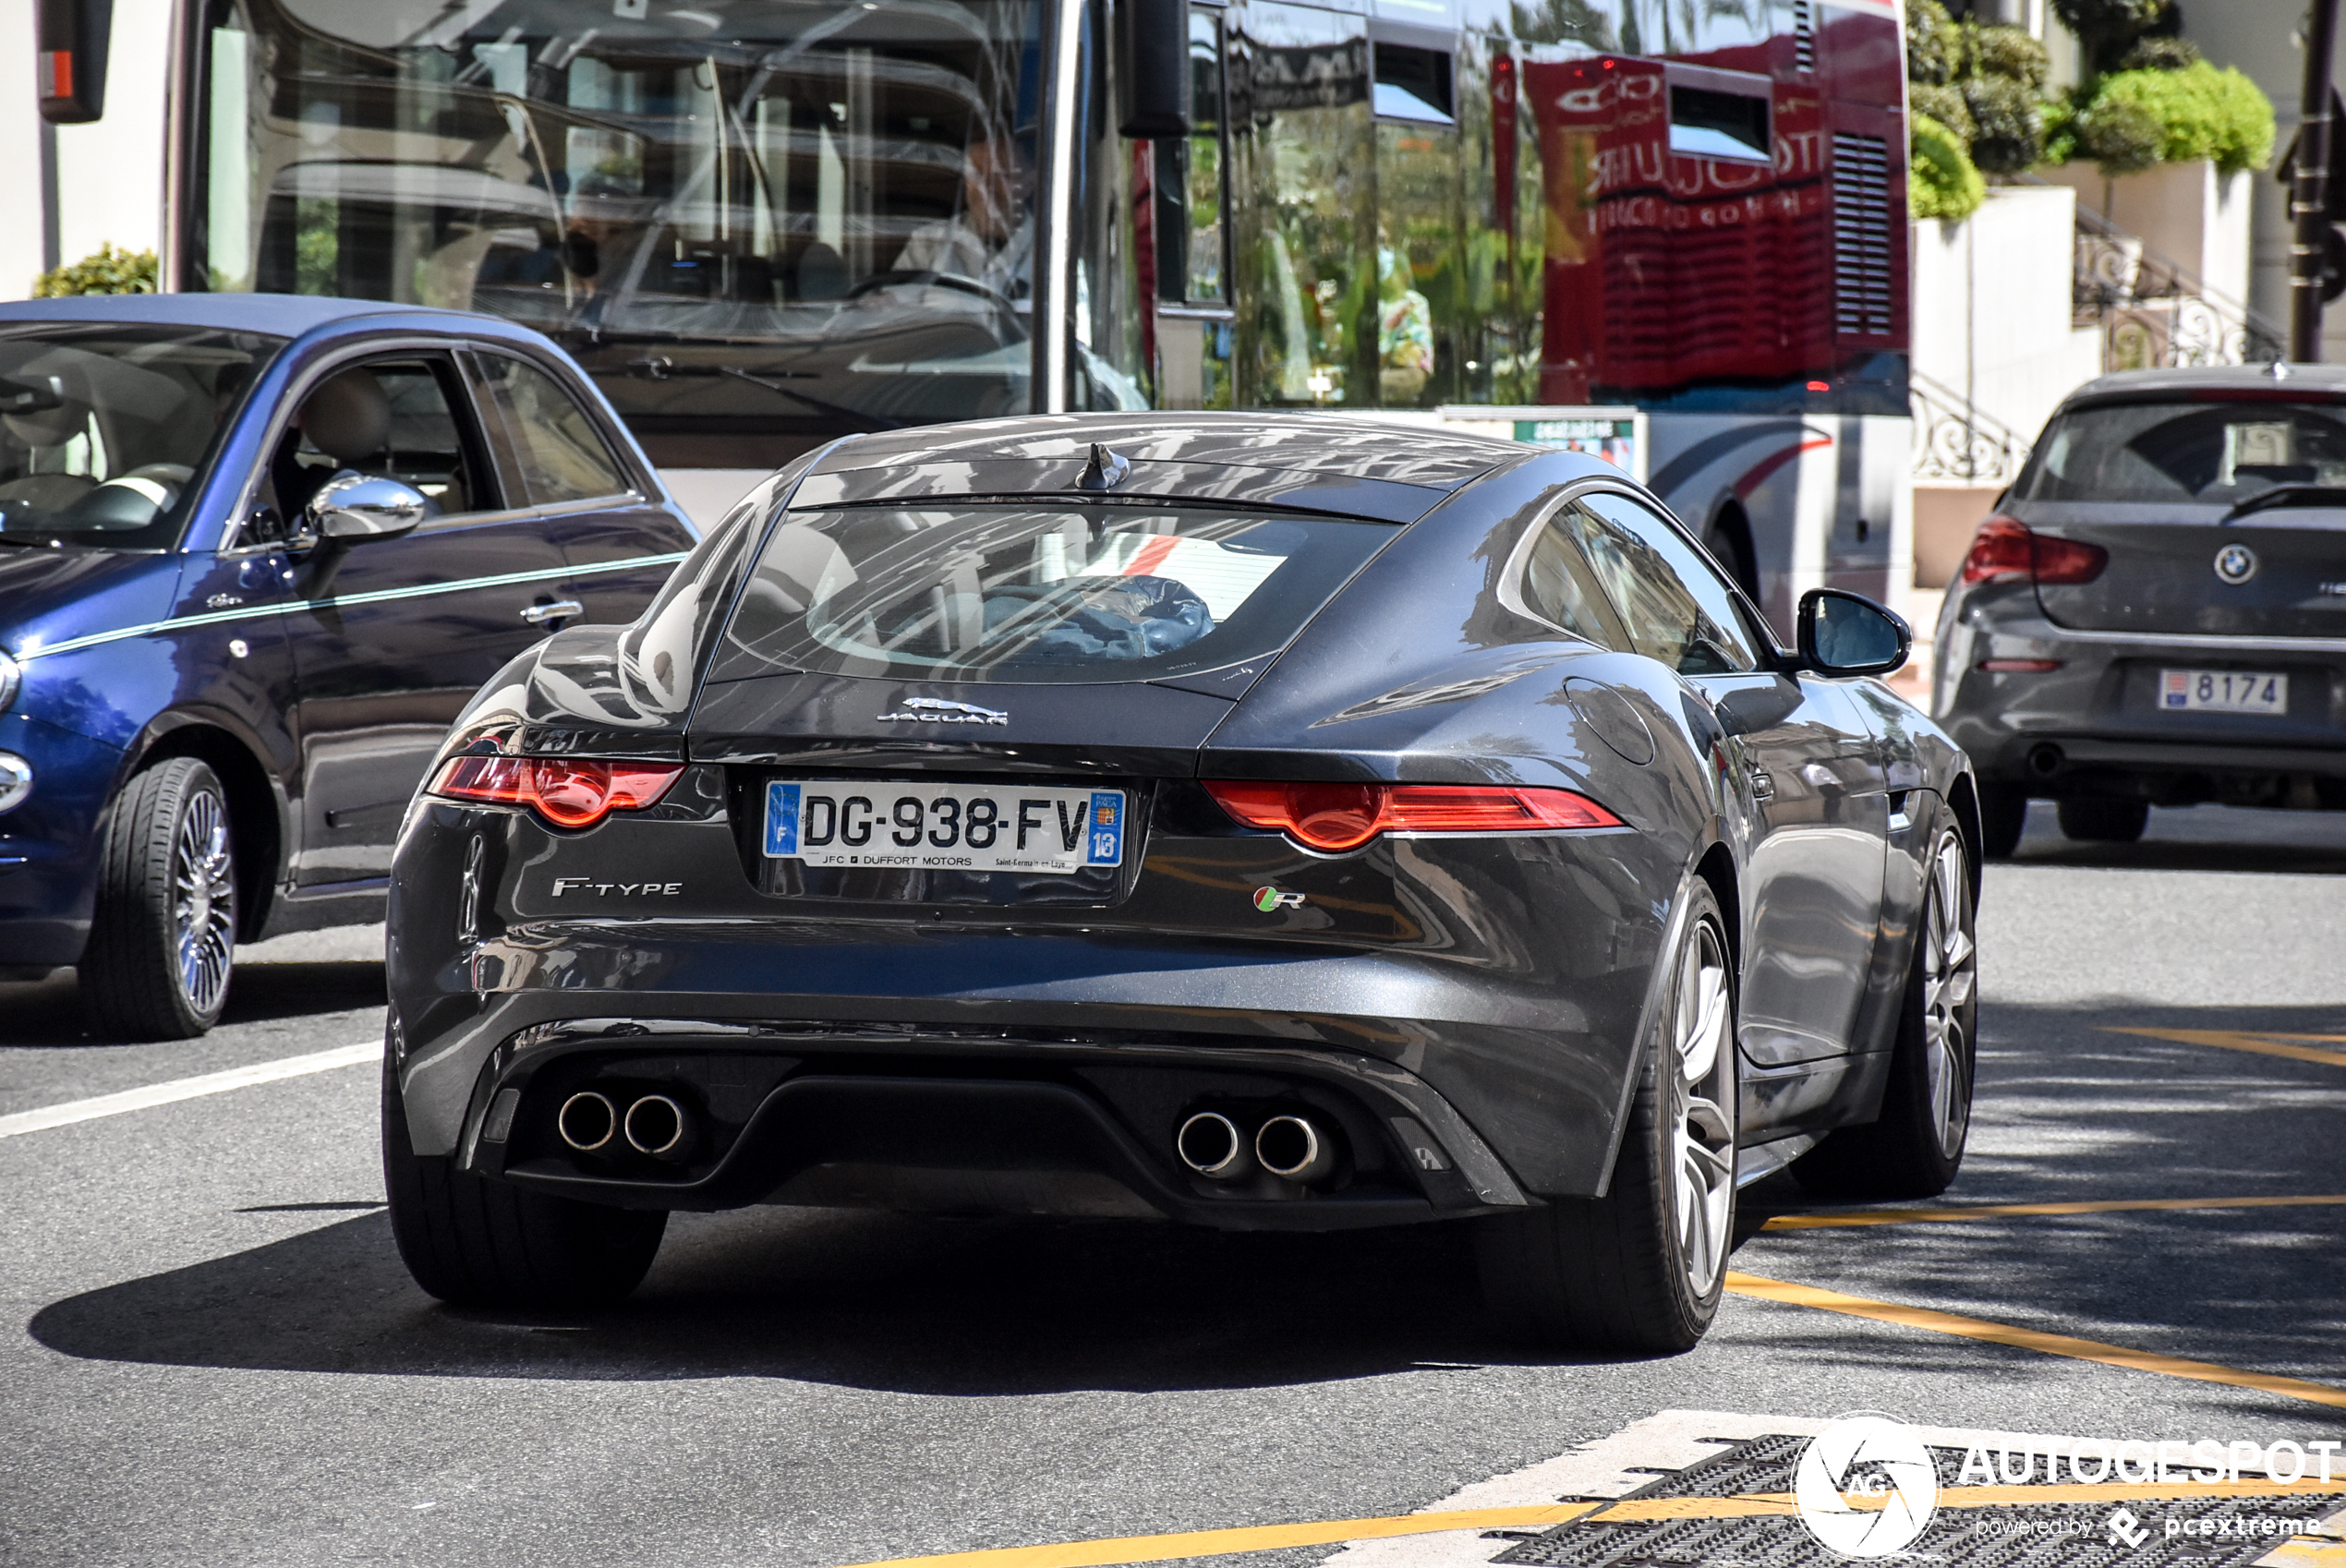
(1259, 822)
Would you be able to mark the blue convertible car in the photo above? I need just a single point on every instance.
(256, 552)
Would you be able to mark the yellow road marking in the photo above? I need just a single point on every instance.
(1996, 1211)
(1332, 1532)
(2030, 1339)
(2234, 1040)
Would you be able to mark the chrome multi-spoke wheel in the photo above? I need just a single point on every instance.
(163, 940)
(1950, 974)
(1701, 1108)
(1641, 1268)
(203, 914)
(1914, 1147)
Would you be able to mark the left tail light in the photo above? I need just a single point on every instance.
(566, 791)
(1334, 817)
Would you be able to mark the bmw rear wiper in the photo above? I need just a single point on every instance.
(2290, 495)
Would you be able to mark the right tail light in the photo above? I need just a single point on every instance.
(2007, 550)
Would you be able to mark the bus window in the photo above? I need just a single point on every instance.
(814, 220)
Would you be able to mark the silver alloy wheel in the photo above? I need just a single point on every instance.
(1950, 972)
(1701, 1107)
(203, 902)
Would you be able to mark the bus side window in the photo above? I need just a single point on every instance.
(1190, 183)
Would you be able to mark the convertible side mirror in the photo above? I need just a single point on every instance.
(1845, 634)
(353, 508)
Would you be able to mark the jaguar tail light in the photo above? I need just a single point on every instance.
(566, 791)
(2007, 550)
(1344, 817)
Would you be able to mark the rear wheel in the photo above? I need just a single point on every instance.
(2004, 816)
(163, 938)
(1916, 1147)
(1640, 1269)
(474, 1242)
(2104, 822)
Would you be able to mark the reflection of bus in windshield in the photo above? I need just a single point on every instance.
(762, 224)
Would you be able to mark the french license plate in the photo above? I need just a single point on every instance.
(2223, 691)
(943, 826)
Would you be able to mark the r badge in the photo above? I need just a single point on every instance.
(2235, 563)
(1270, 900)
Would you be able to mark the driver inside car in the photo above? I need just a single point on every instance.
(991, 239)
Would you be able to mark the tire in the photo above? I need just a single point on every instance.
(2004, 816)
(163, 938)
(1917, 1146)
(475, 1242)
(1641, 1268)
(2104, 822)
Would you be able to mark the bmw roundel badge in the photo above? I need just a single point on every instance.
(2235, 563)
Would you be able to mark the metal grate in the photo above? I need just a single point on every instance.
(2059, 1535)
(1860, 234)
(1804, 34)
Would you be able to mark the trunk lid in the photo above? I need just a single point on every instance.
(2192, 570)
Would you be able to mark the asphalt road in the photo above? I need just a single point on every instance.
(212, 1355)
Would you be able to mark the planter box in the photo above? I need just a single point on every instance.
(2186, 212)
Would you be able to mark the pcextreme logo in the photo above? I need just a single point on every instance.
(1866, 1485)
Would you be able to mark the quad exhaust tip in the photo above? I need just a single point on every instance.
(586, 1121)
(1210, 1144)
(1292, 1147)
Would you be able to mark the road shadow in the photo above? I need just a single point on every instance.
(48, 1011)
(2199, 838)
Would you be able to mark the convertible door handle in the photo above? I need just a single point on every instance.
(1762, 787)
(560, 610)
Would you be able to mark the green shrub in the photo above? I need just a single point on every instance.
(2008, 136)
(2200, 111)
(1943, 104)
(1941, 181)
(106, 271)
(2007, 51)
(2162, 55)
(1933, 46)
(2121, 135)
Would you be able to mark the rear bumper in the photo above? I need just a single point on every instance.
(925, 1120)
(2091, 726)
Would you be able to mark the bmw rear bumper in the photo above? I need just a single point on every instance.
(2092, 725)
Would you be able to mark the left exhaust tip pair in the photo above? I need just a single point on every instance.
(591, 1122)
(1290, 1146)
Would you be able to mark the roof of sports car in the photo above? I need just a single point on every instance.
(1318, 461)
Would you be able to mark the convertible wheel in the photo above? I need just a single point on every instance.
(163, 940)
(1915, 1148)
(1640, 1268)
(474, 1242)
(2104, 822)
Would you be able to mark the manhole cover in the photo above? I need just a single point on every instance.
(2048, 1535)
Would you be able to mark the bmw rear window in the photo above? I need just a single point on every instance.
(1035, 594)
(2218, 451)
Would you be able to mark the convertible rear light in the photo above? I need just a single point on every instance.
(1345, 816)
(566, 791)
(2007, 550)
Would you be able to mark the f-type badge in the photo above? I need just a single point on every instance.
(2235, 563)
(935, 710)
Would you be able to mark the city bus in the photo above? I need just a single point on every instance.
(1670, 230)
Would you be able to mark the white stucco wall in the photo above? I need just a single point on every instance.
(1992, 312)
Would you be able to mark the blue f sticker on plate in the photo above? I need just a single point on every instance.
(1107, 847)
(781, 819)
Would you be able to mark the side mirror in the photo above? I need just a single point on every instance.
(1152, 46)
(1845, 633)
(72, 37)
(352, 507)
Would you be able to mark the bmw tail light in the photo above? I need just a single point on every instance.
(1344, 817)
(2006, 550)
(566, 791)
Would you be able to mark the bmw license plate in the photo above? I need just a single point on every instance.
(2223, 691)
(943, 826)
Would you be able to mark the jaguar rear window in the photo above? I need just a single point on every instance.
(1035, 594)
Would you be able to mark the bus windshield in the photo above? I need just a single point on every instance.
(748, 219)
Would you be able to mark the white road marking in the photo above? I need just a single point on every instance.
(188, 1088)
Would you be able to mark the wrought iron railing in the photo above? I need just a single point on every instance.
(1955, 442)
(2152, 312)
